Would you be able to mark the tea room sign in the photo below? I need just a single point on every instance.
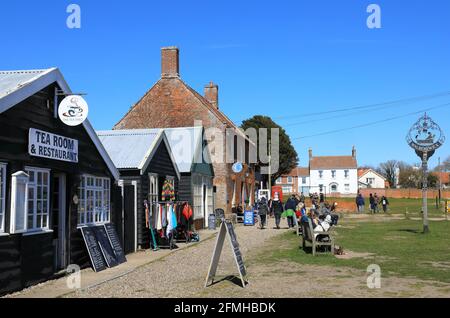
(47, 145)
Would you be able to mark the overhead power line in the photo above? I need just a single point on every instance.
(339, 110)
(371, 123)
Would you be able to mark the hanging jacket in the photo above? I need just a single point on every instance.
(159, 218)
(173, 215)
(169, 219)
(187, 212)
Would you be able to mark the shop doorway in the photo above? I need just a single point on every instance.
(129, 218)
(59, 212)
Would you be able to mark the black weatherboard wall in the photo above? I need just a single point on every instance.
(27, 260)
(162, 165)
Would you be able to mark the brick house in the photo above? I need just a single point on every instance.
(297, 181)
(171, 103)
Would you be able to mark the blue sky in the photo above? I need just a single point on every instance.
(278, 58)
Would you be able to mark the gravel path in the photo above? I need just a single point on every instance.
(182, 274)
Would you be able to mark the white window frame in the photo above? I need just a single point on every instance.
(279, 180)
(347, 187)
(197, 196)
(290, 180)
(3, 172)
(303, 180)
(333, 174)
(320, 174)
(347, 174)
(287, 189)
(100, 190)
(34, 186)
(153, 196)
(209, 196)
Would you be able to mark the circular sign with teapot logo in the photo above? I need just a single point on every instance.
(425, 135)
(73, 110)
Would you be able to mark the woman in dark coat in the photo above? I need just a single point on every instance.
(276, 208)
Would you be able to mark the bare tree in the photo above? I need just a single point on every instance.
(389, 170)
(445, 166)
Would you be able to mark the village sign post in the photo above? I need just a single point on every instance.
(425, 136)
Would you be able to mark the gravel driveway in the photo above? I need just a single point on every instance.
(182, 274)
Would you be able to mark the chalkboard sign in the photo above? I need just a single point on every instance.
(226, 229)
(236, 249)
(105, 246)
(115, 243)
(95, 253)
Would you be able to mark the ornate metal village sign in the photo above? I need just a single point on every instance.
(425, 136)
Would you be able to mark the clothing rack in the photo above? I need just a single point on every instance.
(171, 239)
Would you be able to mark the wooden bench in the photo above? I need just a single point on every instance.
(313, 237)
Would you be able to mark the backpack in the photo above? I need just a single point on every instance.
(263, 209)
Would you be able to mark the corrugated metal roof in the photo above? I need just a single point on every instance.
(11, 81)
(186, 144)
(129, 149)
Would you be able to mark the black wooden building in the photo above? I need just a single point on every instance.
(145, 162)
(192, 156)
(44, 199)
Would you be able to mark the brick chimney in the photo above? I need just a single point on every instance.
(354, 152)
(310, 153)
(212, 94)
(170, 62)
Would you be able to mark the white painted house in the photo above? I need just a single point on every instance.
(369, 178)
(333, 174)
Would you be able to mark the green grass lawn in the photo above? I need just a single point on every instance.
(398, 246)
(400, 206)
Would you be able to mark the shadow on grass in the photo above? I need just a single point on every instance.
(414, 231)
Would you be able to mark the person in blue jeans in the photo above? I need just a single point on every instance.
(360, 203)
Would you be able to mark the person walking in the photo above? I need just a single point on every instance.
(302, 198)
(263, 210)
(372, 203)
(290, 207)
(276, 208)
(384, 203)
(360, 203)
(375, 202)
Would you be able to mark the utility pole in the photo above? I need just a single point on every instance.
(440, 181)
(270, 180)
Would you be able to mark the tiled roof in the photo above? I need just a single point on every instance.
(445, 176)
(362, 172)
(333, 162)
